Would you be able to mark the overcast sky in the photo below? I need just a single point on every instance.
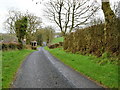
(24, 5)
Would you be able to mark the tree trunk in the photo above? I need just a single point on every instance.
(109, 18)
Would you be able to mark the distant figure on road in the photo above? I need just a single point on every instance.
(34, 43)
(44, 44)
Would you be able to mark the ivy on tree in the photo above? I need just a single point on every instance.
(21, 28)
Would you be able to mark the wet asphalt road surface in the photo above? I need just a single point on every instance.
(42, 70)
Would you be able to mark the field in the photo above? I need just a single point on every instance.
(57, 40)
(11, 61)
(106, 74)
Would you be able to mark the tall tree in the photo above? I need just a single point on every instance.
(49, 34)
(117, 8)
(39, 36)
(21, 28)
(70, 14)
(44, 35)
(109, 17)
(13, 16)
(111, 28)
(34, 23)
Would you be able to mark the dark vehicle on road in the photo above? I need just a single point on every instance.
(34, 45)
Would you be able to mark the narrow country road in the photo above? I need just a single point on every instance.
(42, 70)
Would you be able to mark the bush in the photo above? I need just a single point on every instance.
(19, 46)
(11, 46)
(106, 55)
(51, 46)
(61, 43)
(28, 47)
(56, 45)
(5, 46)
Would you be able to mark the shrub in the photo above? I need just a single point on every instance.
(61, 43)
(51, 46)
(5, 46)
(11, 46)
(56, 45)
(106, 55)
(103, 61)
(19, 46)
(28, 47)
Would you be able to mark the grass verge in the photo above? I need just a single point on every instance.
(11, 61)
(106, 75)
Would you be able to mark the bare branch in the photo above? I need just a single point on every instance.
(69, 14)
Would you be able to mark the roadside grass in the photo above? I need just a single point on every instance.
(11, 61)
(106, 75)
(57, 40)
(38, 46)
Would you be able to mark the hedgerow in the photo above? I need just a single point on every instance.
(11, 46)
(92, 40)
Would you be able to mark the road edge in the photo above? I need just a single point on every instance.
(53, 57)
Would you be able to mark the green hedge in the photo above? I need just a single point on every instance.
(11, 46)
(91, 40)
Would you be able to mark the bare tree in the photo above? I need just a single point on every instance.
(44, 34)
(49, 34)
(70, 14)
(13, 16)
(117, 8)
(34, 23)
